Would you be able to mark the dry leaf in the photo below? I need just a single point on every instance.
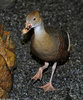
(7, 61)
(5, 75)
(1, 30)
(8, 41)
(3, 94)
(8, 55)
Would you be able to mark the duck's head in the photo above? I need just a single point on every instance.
(33, 19)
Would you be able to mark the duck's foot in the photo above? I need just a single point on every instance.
(38, 75)
(48, 87)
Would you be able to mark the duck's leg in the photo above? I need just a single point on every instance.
(48, 86)
(39, 73)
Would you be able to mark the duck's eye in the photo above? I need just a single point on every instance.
(34, 19)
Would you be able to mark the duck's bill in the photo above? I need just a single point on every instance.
(26, 29)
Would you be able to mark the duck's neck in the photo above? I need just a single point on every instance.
(39, 31)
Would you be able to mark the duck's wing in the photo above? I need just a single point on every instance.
(59, 34)
(62, 41)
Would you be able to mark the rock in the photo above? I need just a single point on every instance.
(6, 4)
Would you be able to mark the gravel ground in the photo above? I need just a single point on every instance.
(68, 78)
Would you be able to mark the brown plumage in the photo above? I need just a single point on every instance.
(48, 44)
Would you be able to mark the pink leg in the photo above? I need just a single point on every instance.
(39, 73)
(48, 86)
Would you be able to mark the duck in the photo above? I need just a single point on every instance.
(47, 43)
